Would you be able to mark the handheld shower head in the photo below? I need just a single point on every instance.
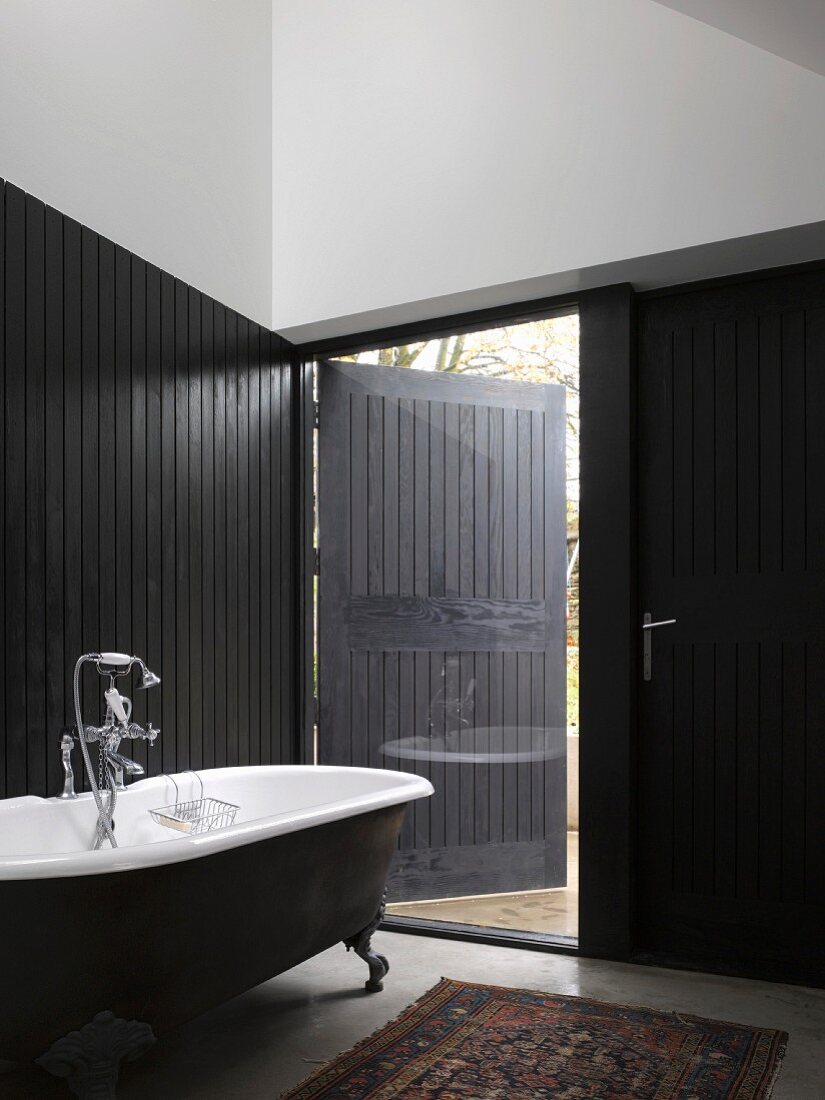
(148, 679)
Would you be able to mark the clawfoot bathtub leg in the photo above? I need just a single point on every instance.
(360, 943)
(90, 1059)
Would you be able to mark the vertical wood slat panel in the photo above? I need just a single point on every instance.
(524, 584)
(233, 668)
(110, 440)
(290, 747)
(510, 553)
(704, 457)
(154, 499)
(375, 683)
(182, 487)
(15, 490)
(412, 828)
(769, 821)
(436, 717)
(682, 474)
(375, 709)
(414, 822)
(747, 446)
(724, 404)
(703, 738)
(194, 628)
(793, 432)
(452, 501)
(472, 778)
(243, 536)
(724, 770)
(73, 460)
(421, 587)
(207, 533)
(540, 509)
(266, 577)
(359, 494)
(123, 426)
(747, 769)
(451, 672)
(168, 526)
(406, 497)
(35, 514)
(254, 494)
(481, 588)
(770, 442)
(396, 682)
(375, 495)
(391, 535)
(278, 569)
(90, 516)
(437, 531)
(358, 753)
(682, 777)
(495, 539)
(112, 466)
(136, 409)
(793, 793)
(54, 465)
(221, 536)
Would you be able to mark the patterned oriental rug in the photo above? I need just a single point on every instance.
(462, 1041)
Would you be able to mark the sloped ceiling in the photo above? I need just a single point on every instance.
(449, 157)
(793, 29)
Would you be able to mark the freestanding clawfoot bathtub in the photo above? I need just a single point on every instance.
(104, 950)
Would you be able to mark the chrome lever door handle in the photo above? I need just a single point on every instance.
(647, 649)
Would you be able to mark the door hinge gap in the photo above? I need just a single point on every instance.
(316, 415)
(316, 560)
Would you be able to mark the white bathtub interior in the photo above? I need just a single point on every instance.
(44, 837)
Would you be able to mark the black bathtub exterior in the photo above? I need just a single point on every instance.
(164, 944)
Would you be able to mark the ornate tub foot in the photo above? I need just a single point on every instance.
(90, 1059)
(360, 943)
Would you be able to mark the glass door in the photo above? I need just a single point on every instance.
(448, 611)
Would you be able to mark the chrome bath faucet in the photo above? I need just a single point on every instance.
(66, 746)
(117, 725)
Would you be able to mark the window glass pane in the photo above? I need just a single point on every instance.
(465, 476)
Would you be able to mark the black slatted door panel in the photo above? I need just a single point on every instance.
(442, 595)
(732, 730)
(14, 522)
(145, 466)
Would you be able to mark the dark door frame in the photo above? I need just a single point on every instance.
(609, 631)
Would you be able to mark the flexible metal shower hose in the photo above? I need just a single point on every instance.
(104, 813)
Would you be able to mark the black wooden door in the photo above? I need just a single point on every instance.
(442, 615)
(732, 744)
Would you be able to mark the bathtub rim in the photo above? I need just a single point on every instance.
(406, 787)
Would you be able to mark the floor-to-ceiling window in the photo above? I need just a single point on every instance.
(447, 641)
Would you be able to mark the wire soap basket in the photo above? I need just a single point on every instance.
(198, 815)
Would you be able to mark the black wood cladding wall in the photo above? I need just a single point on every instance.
(145, 489)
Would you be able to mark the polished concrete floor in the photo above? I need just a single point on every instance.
(552, 912)
(272, 1037)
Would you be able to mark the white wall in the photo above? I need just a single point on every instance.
(150, 121)
(433, 149)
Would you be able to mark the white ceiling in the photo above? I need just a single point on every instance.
(793, 29)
